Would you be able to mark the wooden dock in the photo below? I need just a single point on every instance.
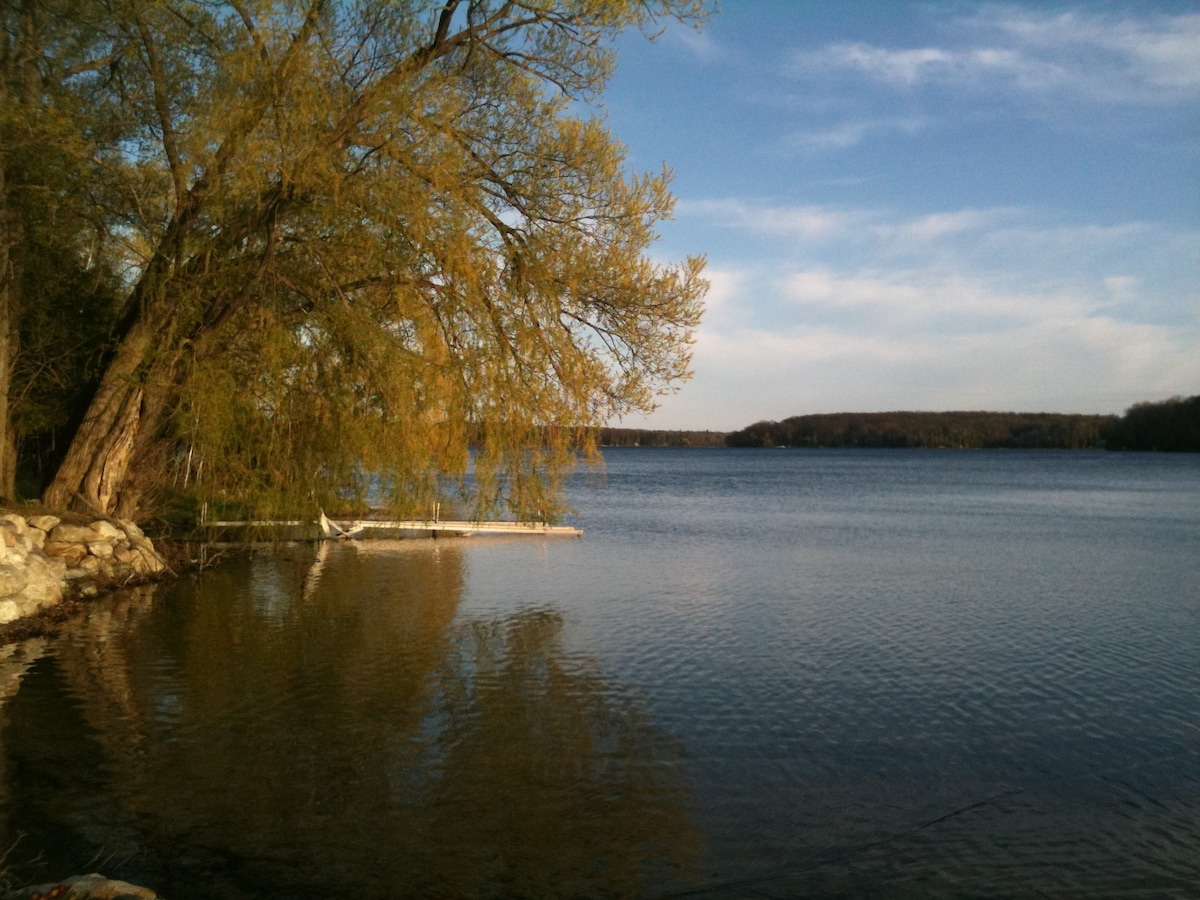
(460, 527)
(333, 530)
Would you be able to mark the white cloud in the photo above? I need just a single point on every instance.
(908, 302)
(1086, 300)
(812, 220)
(725, 286)
(1161, 51)
(935, 226)
(1165, 261)
(900, 66)
(851, 134)
(1088, 365)
(1018, 248)
(780, 221)
(911, 67)
(1122, 287)
(698, 43)
(1086, 54)
(939, 331)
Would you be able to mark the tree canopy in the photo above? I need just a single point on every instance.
(337, 242)
(1168, 425)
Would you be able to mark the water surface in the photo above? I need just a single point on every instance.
(761, 673)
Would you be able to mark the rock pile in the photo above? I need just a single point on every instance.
(43, 559)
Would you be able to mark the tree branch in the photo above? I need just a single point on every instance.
(162, 108)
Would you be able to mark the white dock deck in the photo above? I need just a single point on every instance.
(352, 527)
(463, 527)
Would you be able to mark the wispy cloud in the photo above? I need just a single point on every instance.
(1159, 51)
(778, 221)
(918, 300)
(936, 226)
(865, 309)
(1052, 363)
(1025, 240)
(853, 133)
(697, 43)
(1085, 54)
(1025, 249)
(910, 67)
(812, 220)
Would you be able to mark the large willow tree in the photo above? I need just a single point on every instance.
(369, 237)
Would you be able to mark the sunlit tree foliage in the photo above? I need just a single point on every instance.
(363, 245)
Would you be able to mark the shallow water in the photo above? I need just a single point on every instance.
(761, 673)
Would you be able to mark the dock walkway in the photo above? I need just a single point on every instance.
(350, 528)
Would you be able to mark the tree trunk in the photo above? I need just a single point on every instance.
(8, 450)
(8, 346)
(146, 464)
(93, 473)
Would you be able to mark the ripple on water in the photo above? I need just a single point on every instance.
(769, 675)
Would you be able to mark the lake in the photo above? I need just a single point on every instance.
(760, 673)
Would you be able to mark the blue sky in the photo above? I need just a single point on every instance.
(927, 206)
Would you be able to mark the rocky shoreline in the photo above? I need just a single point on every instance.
(49, 563)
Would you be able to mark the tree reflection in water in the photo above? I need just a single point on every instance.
(288, 729)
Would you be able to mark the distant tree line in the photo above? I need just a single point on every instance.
(641, 437)
(1172, 425)
(1169, 425)
(929, 429)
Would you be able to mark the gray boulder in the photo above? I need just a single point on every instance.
(108, 530)
(44, 524)
(72, 534)
(44, 585)
(12, 579)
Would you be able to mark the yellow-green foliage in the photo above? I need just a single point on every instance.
(373, 234)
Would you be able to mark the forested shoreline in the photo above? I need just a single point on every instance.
(1170, 425)
(644, 437)
(959, 430)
